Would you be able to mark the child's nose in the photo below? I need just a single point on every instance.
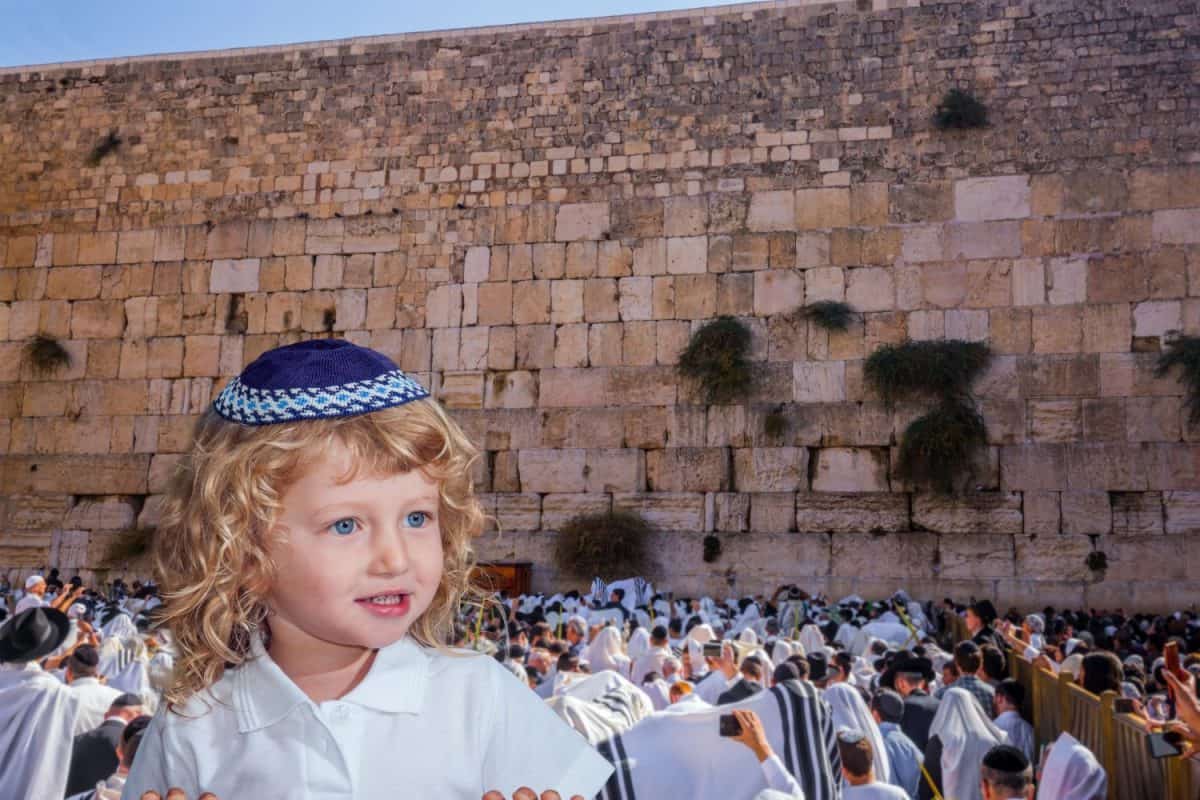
(390, 554)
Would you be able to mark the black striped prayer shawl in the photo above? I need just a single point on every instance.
(798, 724)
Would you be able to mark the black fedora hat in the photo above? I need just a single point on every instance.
(33, 633)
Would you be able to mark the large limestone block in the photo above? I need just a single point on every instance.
(518, 512)
(101, 513)
(572, 387)
(615, 470)
(576, 221)
(1177, 226)
(731, 512)
(992, 198)
(981, 556)
(688, 469)
(772, 211)
(1149, 558)
(35, 512)
(777, 291)
(1052, 557)
(846, 469)
(1137, 513)
(665, 511)
(516, 389)
(69, 550)
(1182, 512)
(553, 470)
(1042, 512)
(974, 240)
(234, 276)
(977, 512)
(1086, 512)
(772, 512)
(888, 555)
(822, 208)
(770, 469)
(559, 509)
(75, 474)
(820, 512)
(819, 381)
(687, 255)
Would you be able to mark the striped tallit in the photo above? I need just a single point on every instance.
(682, 754)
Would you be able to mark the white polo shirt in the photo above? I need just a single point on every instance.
(420, 724)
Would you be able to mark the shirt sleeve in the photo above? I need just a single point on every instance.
(154, 769)
(528, 745)
(779, 779)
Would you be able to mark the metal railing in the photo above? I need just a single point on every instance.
(1055, 703)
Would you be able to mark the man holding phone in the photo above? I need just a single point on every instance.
(744, 726)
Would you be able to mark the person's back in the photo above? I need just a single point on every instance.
(94, 753)
(95, 697)
(904, 758)
(37, 711)
(858, 769)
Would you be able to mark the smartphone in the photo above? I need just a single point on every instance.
(1163, 744)
(712, 649)
(729, 725)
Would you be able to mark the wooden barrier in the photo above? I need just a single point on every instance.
(1055, 703)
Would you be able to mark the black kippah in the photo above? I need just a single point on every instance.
(1006, 758)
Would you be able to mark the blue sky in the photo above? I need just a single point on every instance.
(44, 31)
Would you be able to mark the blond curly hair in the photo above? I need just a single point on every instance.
(211, 548)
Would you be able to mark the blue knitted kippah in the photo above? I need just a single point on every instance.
(319, 379)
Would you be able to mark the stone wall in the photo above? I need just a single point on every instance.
(534, 219)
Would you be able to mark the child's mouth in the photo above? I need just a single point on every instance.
(385, 605)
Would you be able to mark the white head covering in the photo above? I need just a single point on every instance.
(1071, 772)
(695, 639)
(32, 581)
(849, 711)
(812, 639)
(605, 652)
(966, 736)
(120, 627)
(639, 644)
(783, 650)
(659, 692)
(748, 636)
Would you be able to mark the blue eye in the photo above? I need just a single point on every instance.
(417, 519)
(344, 527)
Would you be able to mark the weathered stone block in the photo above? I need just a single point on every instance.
(234, 276)
(1182, 512)
(1137, 513)
(972, 240)
(889, 555)
(576, 221)
(819, 381)
(992, 198)
(1052, 557)
(687, 255)
(731, 512)
(1086, 512)
(772, 512)
(822, 208)
(1055, 420)
(553, 470)
(615, 470)
(980, 556)
(977, 512)
(518, 512)
(770, 469)
(819, 512)
(772, 211)
(851, 470)
(666, 511)
(777, 291)
(559, 509)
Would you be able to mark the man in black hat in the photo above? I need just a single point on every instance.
(37, 711)
(1005, 773)
(913, 675)
(818, 669)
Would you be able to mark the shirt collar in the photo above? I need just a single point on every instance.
(887, 727)
(265, 695)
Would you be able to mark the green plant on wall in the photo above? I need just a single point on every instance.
(609, 545)
(961, 110)
(717, 360)
(46, 354)
(1184, 352)
(831, 315)
(938, 449)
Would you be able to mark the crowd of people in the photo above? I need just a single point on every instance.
(783, 696)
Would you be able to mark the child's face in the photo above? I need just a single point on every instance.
(358, 562)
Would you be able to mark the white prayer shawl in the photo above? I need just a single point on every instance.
(605, 616)
(639, 644)
(812, 639)
(687, 703)
(27, 602)
(120, 627)
(846, 635)
(629, 586)
(712, 686)
(605, 653)
(37, 721)
(1071, 772)
(659, 692)
(650, 661)
(966, 736)
(679, 753)
(600, 716)
(696, 638)
(893, 633)
(849, 711)
(783, 650)
(134, 678)
(748, 636)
